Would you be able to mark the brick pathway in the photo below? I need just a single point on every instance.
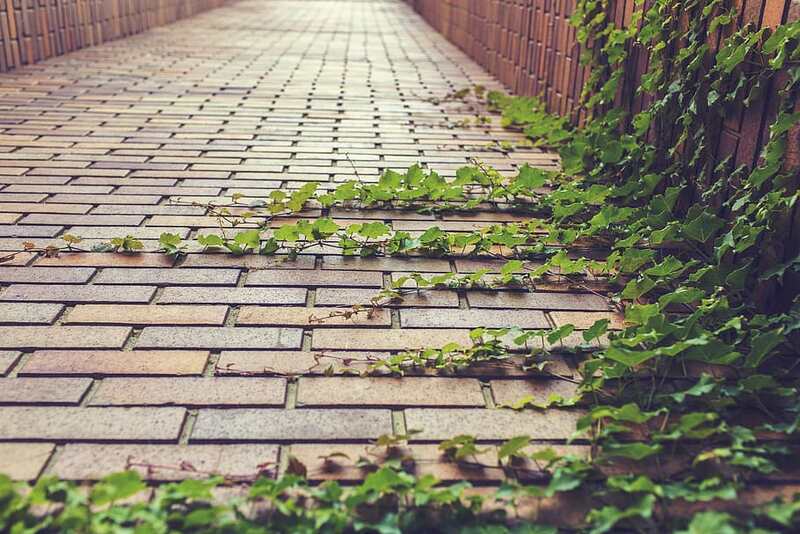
(110, 357)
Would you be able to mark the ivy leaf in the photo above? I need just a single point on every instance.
(373, 230)
(627, 357)
(250, 239)
(116, 487)
(761, 344)
(210, 241)
(703, 227)
(597, 329)
(634, 451)
(513, 446)
(705, 522)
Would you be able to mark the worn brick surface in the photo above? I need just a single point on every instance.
(89, 424)
(282, 425)
(44, 275)
(166, 277)
(323, 464)
(110, 362)
(384, 391)
(232, 295)
(537, 300)
(385, 339)
(438, 424)
(316, 317)
(68, 294)
(190, 391)
(316, 279)
(43, 390)
(63, 337)
(154, 337)
(472, 318)
(163, 462)
(133, 137)
(28, 313)
(146, 315)
(24, 461)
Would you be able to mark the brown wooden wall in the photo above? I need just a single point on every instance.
(32, 30)
(530, 46)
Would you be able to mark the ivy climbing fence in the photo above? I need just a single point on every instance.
(33, 30)
(532, 47)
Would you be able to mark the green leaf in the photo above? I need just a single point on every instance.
(703, 227)
(117, 487)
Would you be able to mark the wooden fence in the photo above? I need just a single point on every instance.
(32, 30)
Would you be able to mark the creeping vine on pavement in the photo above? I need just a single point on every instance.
(685, 410)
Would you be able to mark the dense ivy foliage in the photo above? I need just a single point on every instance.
(687, 409)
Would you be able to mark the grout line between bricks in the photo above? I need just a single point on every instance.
(488, 398)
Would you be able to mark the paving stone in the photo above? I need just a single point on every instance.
(7, 360)
(18, 230)
(136, 314)
(24, 461)
(45, 275)
(316, 279)
(537, 300)
(156, 337)
(91, 220)
(251, 262)
(295, 425)
(422, 265)
(43, 390)
(94, 259)
(76, 293)
(385, 391)
(9, 218)
(232, 295)
(347, 297)
(199, 277)
(385, 339)
(110, 362)
(90, 424)
(29, 313)
(294, 362)
(63, 337)
(316, 317)
(438, 424)
(583, 319)
(431, 318)
(202, 391)
(86, 461)
(323, 464)
(509, 392)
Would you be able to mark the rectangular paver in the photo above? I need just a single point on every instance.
(87, 461)
(190, 391)
(111, 362)
(232, 295)
(385, 391)
(24, 461)
(28, 313)
(386, 339)
(200, 277)
(440, 424)
(134, 314)
(296, 425)
(63, 337)
(77, 293)
(155, 337)
(90, 424)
